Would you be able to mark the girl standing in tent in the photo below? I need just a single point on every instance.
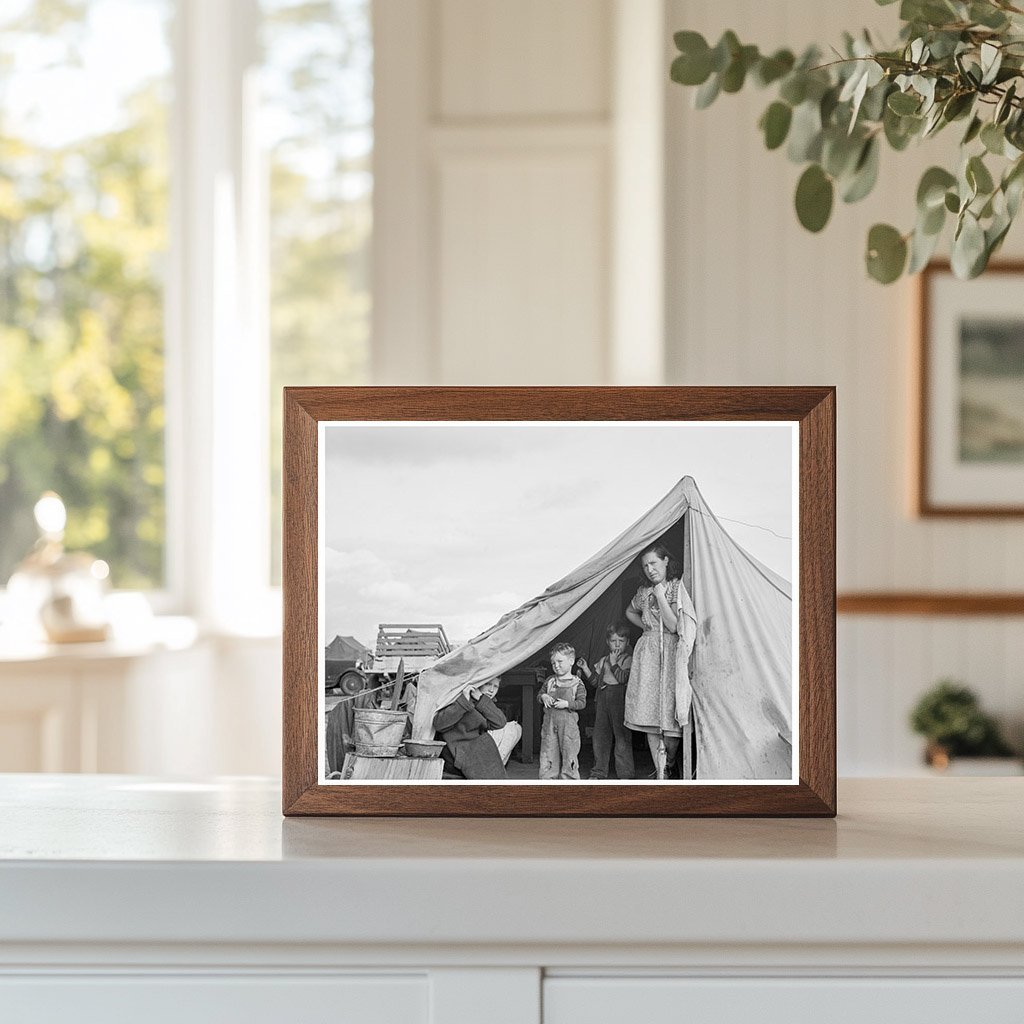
(651, 694)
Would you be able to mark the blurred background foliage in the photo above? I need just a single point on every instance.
(84, 246)
(83, 233)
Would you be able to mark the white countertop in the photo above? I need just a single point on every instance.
(122, 859)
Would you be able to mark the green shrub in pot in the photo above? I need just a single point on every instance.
(950, 717)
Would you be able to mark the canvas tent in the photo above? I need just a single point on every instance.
(341, 654)
(741, 661)
(346, 648)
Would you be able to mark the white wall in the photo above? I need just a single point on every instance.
(509, 255)
(754, 299)
(496, 210)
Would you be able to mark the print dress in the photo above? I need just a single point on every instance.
(651, 693)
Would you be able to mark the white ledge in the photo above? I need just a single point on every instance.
(937, 862)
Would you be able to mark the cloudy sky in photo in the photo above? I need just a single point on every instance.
(459, 523)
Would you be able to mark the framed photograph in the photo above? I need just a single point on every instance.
(559, 601)
(970, 451)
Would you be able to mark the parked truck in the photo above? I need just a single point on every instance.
(414, 645)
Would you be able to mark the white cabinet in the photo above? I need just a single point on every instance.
(176, 704)
(824, 1000)
(97, 707)
(133, 898)
(204, 999)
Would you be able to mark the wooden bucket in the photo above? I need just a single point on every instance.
(377, 732)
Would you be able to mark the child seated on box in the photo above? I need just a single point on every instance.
(563, 696)
(467, 726)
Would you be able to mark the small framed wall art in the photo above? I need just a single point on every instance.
(559, 601)
(970, 444)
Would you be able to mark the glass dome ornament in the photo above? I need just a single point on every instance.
(56, 595)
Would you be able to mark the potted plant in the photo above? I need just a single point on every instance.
(955, 62)
(950, 717)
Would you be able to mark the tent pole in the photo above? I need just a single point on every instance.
(660, 767)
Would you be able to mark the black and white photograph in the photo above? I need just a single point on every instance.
(558, 602)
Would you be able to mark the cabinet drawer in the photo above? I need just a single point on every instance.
(202, 999)
(569, 1000)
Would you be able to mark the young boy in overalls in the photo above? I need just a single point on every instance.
(563, 696)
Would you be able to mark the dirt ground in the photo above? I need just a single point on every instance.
(641, 758)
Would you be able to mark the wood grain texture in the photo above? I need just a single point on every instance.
(817, 609)
(925, 603)
(923, 504)
(812, 407)
(299, 597)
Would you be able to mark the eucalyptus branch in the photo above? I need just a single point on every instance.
(953, 58)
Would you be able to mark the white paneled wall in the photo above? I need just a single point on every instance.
(521, 206)
(506, 139)
(550, 208)
(557, 67)
(754, 299)
(505, 317)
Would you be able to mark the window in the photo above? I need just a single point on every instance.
(317, 117)
(144, 182)
(83, 236)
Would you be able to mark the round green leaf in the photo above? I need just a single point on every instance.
(770, 69)
(932, 189)
(814, 198)
(805, 133)
(689, 42)
(978, 176)
(922, 248)
(725, 49)
(775, 123)
(874, 103)
(903, 103)
(1005, 105)
(887, 253)
(735, 74)
(794, 89)
(840, 152)
(693, 65)
(931, 221)
(993, 138)
(707, 93)
(987, 15)
(973, 129)
(952, 202)
(968, 256)
(865, 173)
(900, 130)
(958, 106)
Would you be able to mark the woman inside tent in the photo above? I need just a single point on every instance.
(651, 691)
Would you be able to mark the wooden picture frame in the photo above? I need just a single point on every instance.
(811, 791)
(948, 483)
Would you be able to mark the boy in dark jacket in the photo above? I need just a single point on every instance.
(610, 676)
(463, 725)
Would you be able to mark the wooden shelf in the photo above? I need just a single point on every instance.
(928, 603)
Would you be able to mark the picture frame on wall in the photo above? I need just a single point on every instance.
(970, 381)
(559, 601)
